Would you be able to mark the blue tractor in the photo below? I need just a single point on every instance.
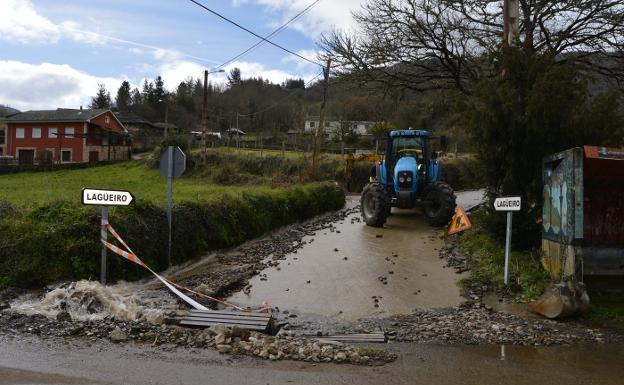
(408, 177)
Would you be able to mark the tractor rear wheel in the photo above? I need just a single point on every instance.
(440, 204)
(375, 204)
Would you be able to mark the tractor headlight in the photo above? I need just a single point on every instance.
(401, 179)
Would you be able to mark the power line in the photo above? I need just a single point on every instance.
(277, 31)
(251, 32)
(282, 99)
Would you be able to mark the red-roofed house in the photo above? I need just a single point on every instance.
(66, 136)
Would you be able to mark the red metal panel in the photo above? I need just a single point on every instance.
(596, 152)
(604, 202)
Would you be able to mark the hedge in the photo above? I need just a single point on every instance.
(61, 241)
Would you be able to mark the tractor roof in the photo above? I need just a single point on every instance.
(396, 133)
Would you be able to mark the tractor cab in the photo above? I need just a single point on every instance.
(407, 162)
(408, 177)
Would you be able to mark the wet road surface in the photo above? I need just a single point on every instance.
(335, 284)
(340, 273)
(30, 361)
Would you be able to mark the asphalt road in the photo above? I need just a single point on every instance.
(31, 361)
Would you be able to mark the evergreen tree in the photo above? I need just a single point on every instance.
(135, 98)
(123, 99)
(159, 90)
(102, 99)
(234, 77)
(147, 93)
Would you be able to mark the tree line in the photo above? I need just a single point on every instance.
(266, 107)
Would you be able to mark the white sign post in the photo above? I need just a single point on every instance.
(105, 198)
(172, 164)
(508, 204)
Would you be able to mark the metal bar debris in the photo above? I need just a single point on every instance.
(262, 322)
(358, 337)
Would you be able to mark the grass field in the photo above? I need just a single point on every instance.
(287, 154)
(38, 188)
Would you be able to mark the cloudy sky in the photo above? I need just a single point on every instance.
(53, 53)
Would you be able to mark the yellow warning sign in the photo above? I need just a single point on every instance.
(460, 222)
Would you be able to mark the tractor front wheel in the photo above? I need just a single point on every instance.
(439, 204)
(375, 204)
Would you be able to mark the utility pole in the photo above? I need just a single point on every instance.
(166, 119)
(320, 130)
(511, 16)
(204, 122)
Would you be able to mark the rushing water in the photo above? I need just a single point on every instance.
(89, 300)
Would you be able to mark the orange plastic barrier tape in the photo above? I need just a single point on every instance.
(131, 256)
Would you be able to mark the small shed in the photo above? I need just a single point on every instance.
(583, 212)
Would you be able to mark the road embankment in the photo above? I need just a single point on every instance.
(60, 241)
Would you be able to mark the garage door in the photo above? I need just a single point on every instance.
(26, 156)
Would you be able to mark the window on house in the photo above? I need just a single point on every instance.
(19, 133)
(69, 132)
(36, 133)
(52, 133)
(2, 136)
(65, 156)
(312, 124)
(326, 124)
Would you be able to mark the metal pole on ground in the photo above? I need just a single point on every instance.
(508, 205)
(169, 199)
(508, 245)
(103, 236)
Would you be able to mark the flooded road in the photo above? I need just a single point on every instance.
(338, 288)
(30, 361)
(356, 271)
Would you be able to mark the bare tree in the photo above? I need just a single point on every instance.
(428, 44)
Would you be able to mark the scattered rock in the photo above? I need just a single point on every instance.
(63, 316)
(118, 335)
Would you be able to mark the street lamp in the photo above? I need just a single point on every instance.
(205, 105)
(166, 114)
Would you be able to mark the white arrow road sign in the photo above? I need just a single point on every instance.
(106, 197)
(507, 204)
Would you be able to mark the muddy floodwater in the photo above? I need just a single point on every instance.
(344, 272)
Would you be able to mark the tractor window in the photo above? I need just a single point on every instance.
(402, 146)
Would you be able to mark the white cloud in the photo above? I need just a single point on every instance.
(28, 86)
(300, 63)
(20, 22)
(177, 71)
(324, 17)
(48, 86)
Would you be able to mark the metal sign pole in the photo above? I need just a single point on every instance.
(104, 236)
(169, 198)
(508, 245)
